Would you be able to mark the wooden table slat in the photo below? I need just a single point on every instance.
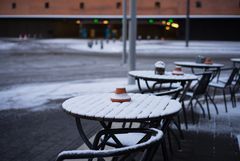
(173, 107)
(120, 108)
(157, 103)
(135, 103)
(73, 102)
(141, 107)
(86, 105)
(100, 107)
(164, 104)
(107, 109)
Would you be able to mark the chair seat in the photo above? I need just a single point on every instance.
(190, 94)
(193, 85)
(128, 139)
(225, 81)
(217, 84)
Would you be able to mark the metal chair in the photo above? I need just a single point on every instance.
(163, 124)
(201, 91)
(174, 93)
(148, 144)
(236, 88)
(171, 91)
(230, 83)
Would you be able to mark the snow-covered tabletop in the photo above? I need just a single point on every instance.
(197, 65)
(168, 76)
(236, 60)
(142, 107)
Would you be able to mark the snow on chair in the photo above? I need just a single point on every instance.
(148, 144)
(228, 83)
(201, 91)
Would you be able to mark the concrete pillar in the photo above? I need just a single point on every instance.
(132, 40)
(124, 32)
(187, 22)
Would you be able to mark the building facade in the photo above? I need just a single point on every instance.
(157, 19)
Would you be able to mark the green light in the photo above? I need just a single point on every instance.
(151, 21)
(95, 21)
(170, 20)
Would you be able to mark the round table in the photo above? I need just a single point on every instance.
(203, 66)
(198, 65)
(193, 65)
(185, 81)
(168, 77)
(235, 61)
(141, 108)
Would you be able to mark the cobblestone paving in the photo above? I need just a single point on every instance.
(38, 135)
(211, 140)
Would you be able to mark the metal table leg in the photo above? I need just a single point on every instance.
(149, 88)
(82, 133)
(186, 87)
(192, 69)
(139, 85)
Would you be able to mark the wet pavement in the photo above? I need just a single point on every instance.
(213, 140)
(38, 136)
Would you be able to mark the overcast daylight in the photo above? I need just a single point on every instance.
(119, 80)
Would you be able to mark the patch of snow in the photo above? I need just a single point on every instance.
(221, 107)
(224, 122)
(33, 95)
(111, 47)
(62, 41)
(6, 46)
(144, 47)
(128, 139)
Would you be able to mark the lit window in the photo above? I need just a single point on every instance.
(157, 4)
(14, 5)
(81, 5)
(118, 5)
(46, 4)
(198, 4)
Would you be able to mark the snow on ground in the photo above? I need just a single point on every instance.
(33, 95)
(158, 46)
(115, 47)
(36, 96)
(110, 47)
(6, 45)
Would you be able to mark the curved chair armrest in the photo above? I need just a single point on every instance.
(170, 92)
(227, 68)
(209, 71)
(81, 154)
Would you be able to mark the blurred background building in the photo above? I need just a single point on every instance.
(157, 19)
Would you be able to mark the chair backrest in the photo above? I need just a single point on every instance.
(237, 84)
(203, 84)
(232, 76)
(148, 145)
(174, 92)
